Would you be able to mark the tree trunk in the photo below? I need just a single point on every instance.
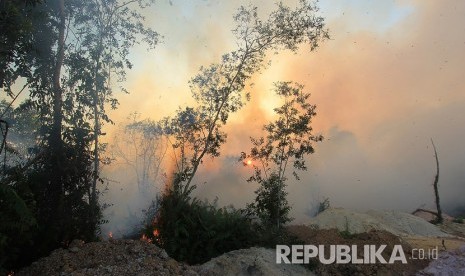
(57, 125)
(435, 186)
(56, 189)
(93, 201)
(96, 153)
(56, 141)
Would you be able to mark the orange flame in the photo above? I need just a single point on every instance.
(145, 238)
(110, 235)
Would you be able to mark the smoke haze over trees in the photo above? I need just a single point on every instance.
(64, 53)
(390, 77)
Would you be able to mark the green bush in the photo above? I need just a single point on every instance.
(193, 231)
(16, 228)
(458, 220)
(271, 206)
(36, 219)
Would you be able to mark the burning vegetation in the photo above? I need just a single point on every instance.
(52, 195)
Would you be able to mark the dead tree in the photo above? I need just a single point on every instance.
(439, 218)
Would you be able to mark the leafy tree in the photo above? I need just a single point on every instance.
(106, 30)
(196, 132)
(288, 141)
(16, 202)
(15, 36)
(73, 49)
(18, 210)
(219, 88)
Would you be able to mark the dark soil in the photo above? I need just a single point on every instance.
(334, 237)
(114, 257)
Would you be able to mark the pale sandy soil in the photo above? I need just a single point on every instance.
(442, 244)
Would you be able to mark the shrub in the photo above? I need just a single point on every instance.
(195, 231)
(271, 205)
(16, 228)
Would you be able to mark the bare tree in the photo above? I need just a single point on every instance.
(141, 146)
(439, 218)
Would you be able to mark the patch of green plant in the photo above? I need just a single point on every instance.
(16, 229)
(271, 206)
(458, 220)
(346, 234)
(195, 231)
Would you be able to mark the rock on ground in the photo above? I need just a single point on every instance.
(252, 261)
(398, 223)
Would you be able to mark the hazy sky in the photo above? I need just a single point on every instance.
(391, 77)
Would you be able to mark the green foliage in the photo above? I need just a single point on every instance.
(17, 227)
(193, 231)
(65, 52)
(288, 139)
(219, 89)
(346, 234)
(270, 204)
(61, 216)
(103, 34)
(458, 220)
(196, 132)
(15, 41)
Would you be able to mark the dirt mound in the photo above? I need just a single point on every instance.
(398, 223)
(132, 257)
(115, 257)
(325, 237)
(252, 261)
